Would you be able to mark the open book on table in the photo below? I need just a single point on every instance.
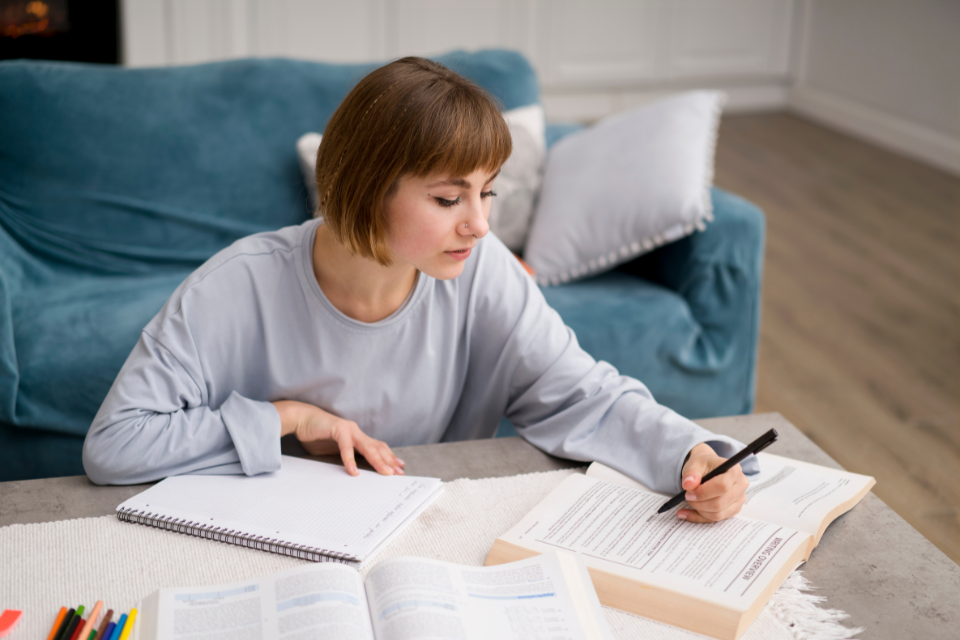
(549, 596)
(709, 578)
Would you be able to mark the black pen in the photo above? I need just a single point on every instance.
(756, 446)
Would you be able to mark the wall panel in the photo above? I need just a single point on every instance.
(607, 42)
(593, 56)
(734, 38)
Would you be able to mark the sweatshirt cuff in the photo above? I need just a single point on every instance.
(254, 428)
(725, 447)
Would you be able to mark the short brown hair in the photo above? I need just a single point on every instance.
(410, 117)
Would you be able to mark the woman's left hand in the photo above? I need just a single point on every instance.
(717, 499)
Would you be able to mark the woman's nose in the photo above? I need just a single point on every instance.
(477, 220)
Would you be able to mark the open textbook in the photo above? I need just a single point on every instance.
(404, 598)
(309, 510)
(709, 578)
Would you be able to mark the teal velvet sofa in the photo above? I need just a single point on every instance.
(116, 183)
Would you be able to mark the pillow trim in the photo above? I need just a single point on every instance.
(627, 252)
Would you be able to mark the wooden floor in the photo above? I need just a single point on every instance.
(860, 334)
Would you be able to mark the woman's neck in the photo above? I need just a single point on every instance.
(360, 288)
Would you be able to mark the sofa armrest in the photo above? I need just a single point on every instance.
(718, 273)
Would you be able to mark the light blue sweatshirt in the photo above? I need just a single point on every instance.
(252, 326)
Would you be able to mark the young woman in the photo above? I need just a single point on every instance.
(395, 320)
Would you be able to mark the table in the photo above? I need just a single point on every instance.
(870, 562)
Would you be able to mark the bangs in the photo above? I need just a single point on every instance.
(457, 136)
(410, 117)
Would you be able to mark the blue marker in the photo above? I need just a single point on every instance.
(119, 628)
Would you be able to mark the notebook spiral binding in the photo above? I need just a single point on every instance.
(229, 536)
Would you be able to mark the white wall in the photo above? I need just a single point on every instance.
(593, 57)
(887, 71)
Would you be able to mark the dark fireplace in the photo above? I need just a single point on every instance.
(74, 30)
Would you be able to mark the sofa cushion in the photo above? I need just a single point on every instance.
(625, 186)
(74, 335)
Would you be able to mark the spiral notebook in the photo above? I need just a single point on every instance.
(307, 509)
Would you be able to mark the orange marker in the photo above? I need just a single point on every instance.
(56, 623)
(91, 620)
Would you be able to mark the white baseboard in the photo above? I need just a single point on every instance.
(902, 136)
(589, 106)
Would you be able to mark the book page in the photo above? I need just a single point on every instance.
(306, 502)
(788, 492)
(312, 602)
(801, 495)
(414, 598)
(618, 530)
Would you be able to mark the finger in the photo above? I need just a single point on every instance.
(707, 515)
(715, 505)
(368, 448)
(718, 485)
(733, 492)
(346, 454)
(723, 514)
(391, 459)
(691, 515)
(693, 471)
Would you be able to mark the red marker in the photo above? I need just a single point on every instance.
(8, 620)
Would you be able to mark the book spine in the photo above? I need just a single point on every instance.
(230, 536)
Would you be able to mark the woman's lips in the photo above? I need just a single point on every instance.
(463, 254)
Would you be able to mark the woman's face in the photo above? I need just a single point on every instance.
(434, 222)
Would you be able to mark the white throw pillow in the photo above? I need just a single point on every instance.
(624, 187)
(307, 146)
(517, 185)
(520, 178)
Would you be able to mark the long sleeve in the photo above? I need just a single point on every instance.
(157, 421)
(566, 403)
(194, 394)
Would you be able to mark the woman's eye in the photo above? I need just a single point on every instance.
(443, 202)
(488, 194)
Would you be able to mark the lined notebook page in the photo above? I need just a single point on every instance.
(305, 502)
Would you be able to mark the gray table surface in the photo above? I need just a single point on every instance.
(870, 563)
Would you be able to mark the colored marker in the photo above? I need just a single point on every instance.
(103, 625)
(93, 634)
(127, 628)
(109, 630)
(119, 628)
(74, 625)
(64, 624)
(9, 619)
(76, 632)
(57, 623)
(91, 620)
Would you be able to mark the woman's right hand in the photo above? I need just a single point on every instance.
(323, 433)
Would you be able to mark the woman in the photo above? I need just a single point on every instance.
(386, 323)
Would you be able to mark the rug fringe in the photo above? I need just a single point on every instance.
(793, 605)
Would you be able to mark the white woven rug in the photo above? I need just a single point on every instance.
(46, 566)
